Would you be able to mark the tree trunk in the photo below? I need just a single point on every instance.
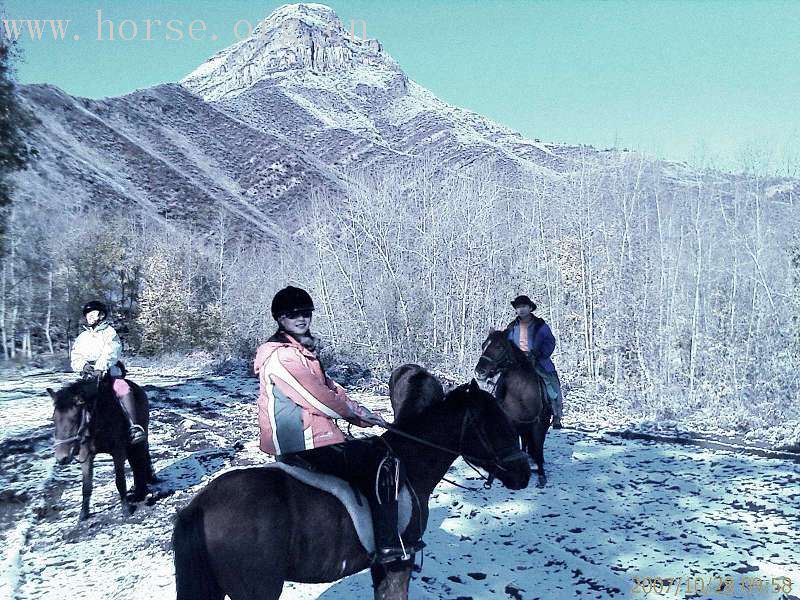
(3, 333)
(49, 315)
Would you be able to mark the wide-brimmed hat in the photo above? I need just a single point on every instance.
(520, 300)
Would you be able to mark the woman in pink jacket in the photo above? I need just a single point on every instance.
(297, 406)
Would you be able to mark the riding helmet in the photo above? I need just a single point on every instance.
(520, 300)
(290, 298)
(94, 305)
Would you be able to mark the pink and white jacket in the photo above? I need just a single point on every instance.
(290, 374)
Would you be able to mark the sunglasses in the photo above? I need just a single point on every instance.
(300, 312)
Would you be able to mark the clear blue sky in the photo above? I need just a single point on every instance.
(672, 78)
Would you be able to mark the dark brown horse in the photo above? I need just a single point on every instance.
(89, 420)
(519, 391)
(252, 529)
(412, 389)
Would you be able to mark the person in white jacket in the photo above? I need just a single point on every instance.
(96, 352)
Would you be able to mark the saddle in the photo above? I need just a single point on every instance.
(542, 384)
(353, 500)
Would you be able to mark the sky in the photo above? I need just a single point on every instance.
(701, 81)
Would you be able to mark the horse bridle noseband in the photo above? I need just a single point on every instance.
(81, 435)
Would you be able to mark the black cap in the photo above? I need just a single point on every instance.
(520, 300)
(290, 298)
(94, 305)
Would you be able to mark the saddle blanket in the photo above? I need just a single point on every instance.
(353, 500)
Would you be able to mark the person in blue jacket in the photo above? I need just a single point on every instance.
(533, 336)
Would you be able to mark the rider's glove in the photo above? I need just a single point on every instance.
(375, 419)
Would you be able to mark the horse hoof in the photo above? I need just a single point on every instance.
(541, 482)
(135, 495)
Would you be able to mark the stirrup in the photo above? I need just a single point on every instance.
(385, 556)
(136, 434)
(398, 553)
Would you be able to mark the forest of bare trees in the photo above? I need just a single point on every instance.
(673, 293)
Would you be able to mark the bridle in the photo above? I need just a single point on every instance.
(507, 454)
(82, 435)
(497, 458)
(501, 363)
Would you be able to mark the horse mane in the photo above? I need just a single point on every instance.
(87, 389)
(412, 389)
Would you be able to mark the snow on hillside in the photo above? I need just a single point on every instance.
(613, 509)
(253, 131)
(293, 37)
(361, 89)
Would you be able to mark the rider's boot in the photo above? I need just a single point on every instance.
(136, 433)
(389, 546)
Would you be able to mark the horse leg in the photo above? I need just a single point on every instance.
(87, 473)
(527, 442)
(537, 433)
(151, 474)
(194, 578)
(391, 581)
(119, 457)
(137, 458)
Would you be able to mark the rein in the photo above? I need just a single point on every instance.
(79, 434)
(496, 458)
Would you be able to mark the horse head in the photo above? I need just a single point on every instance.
(497, 354)
(488, 440)
(71, 414)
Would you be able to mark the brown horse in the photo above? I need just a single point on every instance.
(252, 529)
(89, 420)
(519, 391)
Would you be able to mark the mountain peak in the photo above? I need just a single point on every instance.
(304, 36)
(317, 15)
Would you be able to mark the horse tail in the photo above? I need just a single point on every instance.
(193, 577)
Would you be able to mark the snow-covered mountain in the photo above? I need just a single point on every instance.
(303, 75)
(252, 131)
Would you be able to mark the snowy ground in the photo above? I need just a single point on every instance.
(613, 510)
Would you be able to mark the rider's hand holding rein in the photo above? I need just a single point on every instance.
(375, 419)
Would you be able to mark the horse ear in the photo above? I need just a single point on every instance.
(52, 394)
(492, 329)
(473, 386)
